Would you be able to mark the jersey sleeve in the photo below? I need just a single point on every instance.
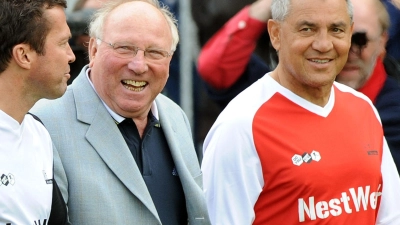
(232, 175)
(225, 56)
(389, 213)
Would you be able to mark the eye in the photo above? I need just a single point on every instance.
(124, 49)
(306, 29)
(64, 42)
(156, 54)
(337, 30)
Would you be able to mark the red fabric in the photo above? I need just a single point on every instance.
(375, 83)
(225, 56)
(313, 192)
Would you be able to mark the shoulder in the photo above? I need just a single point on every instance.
(166, 105)
(46, 103)
(35, 130)
(169, 110)
(163, 100)
(355, 101)
(242, 109)
(255, 95)
(50, 112)
(35, 124)
(46, 106)
(353, 96)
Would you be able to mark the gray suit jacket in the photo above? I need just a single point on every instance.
(95, 169)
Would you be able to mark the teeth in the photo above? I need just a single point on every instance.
(133, 88)
(135, 83)
(320, 60)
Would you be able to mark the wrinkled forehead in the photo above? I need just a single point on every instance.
(135, 17)
(366, 16)
(135, 12)
(134, 8)
(319, 12)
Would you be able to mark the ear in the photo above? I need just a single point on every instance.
(274, 33)
(382, 43)
(92, 50)
(23, 55)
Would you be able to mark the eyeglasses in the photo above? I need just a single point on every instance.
(359, 41)
(125, 50)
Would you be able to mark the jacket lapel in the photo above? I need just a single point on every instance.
(176, 142)
(182, 149)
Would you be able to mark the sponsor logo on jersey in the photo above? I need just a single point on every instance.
(362, 198)
(306, 158)
(373, 152)
(370, 150)
(7, 179)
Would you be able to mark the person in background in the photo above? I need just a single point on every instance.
(34, 64)
(393, 43)
(297, 147)
(126, 154)
(227, 64)
(78, 18)
(364, 70)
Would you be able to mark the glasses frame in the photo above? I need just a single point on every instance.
(133, 53)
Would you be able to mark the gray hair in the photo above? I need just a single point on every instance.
(97, 20)
(281, 8)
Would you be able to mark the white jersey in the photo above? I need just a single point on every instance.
(26, 171)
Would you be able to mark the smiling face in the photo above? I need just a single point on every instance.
(312, 42)
(130, 85)
(359, 67)
(50, 71)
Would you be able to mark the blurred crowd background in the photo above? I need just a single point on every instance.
(198, 20)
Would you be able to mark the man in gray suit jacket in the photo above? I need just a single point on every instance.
(124, 152)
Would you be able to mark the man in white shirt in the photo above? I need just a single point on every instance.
(34, 64)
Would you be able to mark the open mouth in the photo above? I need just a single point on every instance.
(134, 85)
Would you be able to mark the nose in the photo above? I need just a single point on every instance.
(353, 54)
(71, 55)
(322, 42)
(138, 63)
(355, 50)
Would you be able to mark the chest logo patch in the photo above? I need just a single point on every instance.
(7, 179)
(306, 158)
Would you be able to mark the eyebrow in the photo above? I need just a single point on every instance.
(305, 23)
(311, 24)
(339, 24)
